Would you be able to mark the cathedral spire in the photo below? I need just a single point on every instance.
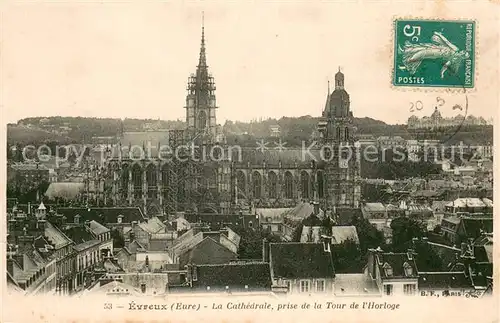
(203, 59)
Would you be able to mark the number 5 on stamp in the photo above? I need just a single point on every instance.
(434, 53)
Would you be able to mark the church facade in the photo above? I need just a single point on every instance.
(162, 183)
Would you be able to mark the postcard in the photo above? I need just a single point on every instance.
(253, 161)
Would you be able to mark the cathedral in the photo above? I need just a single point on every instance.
(162, 182)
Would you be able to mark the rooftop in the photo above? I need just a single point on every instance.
(301, 260)
(236, 276)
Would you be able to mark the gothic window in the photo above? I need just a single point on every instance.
(338, 133)
(151, 180)
(343, 196)
(257, 185)
(273, 185)
(321, 192)
(202, 120)
(137, 180)
(288, 185)
(346, 133)
(241, 184)
(125, 181)
(304, 181)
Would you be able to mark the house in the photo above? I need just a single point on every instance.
(391, 142)
(208, 251)
(112, 217)
(152, 234)
(275, 131)
(303, 268)
(198, 246)
(461, 229)
(394, 273)
(92, 244)
(470, 205)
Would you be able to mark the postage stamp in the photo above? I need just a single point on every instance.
(434, 53)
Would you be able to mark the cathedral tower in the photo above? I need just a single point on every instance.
(200, 100)
(342, 160)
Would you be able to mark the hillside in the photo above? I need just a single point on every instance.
(292, 130)
(24, 135)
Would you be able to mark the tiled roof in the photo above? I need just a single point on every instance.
(302, 211)
(397, 262)
(97, 228)
(443, 280)
(247, 276)
(474, 227)
(85, 245)
(78, 233)
(55, 236)
(343, 233)
(153, 225)
(467, 202)
(208, 251)
(301, 260)
(115, 288)
(103, 214)
(135, 246)
(480, 273)
(374, 207)
(66, 190)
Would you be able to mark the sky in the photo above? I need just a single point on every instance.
(132, 59)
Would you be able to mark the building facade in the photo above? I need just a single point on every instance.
(234, 178)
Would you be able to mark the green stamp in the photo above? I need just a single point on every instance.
(433, 53)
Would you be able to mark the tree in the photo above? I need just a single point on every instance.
(347, 257)
(251, 242)
(404, 229)
(369, 236)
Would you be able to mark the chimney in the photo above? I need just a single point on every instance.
(265, 250)
(326, 241)
(316, 208)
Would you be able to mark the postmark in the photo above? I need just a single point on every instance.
(434, 53)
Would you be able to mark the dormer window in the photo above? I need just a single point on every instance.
(388, 270)
(326, 246)
(120, 218)
(408, 269)
(77, 219)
